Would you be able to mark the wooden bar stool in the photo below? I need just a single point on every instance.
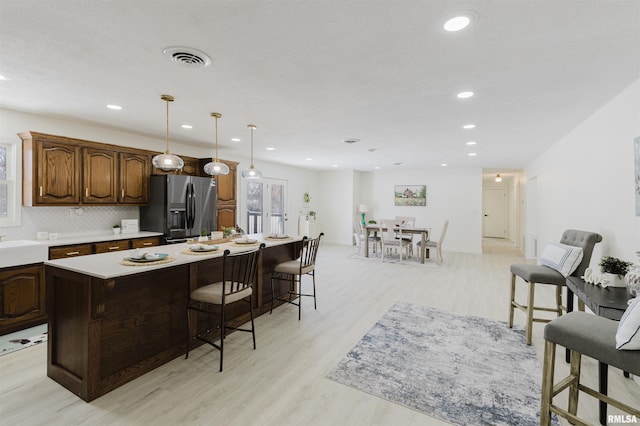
(589, 335)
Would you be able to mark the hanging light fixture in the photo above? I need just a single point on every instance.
(498, 178)
(167, 162)
(251, 172)
(215, 167)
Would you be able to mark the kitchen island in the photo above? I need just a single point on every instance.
(110, 322)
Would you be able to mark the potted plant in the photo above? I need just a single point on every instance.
(116, 229)
(306, 198)
(312, 215)
(614, 270)
(203, 236)
(227, 232)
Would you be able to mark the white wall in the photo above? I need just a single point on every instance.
(586, 180)
(453, 194)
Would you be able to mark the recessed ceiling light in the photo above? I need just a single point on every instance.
(187, 126)
(235, 140)
(308, 159)
(270, 148)
(471, 143)
(457, 23)
(3, 78)
(376, 167)
(471, 154)
(464, 95)
(443, 165)
(114, 107)
(469, 126)
(335, 165)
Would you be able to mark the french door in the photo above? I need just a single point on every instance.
(266, 201)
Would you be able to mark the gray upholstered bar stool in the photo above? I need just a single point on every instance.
(540, 274)
(582, 334)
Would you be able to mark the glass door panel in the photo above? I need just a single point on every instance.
(266, 206)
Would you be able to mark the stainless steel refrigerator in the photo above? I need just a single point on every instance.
(180, 207)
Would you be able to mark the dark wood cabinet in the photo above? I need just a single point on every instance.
(134, 178)
(191, 168)
(61, 252)
(51, 171)
(65, 171)
(99, 176)
(22, 298)
(227, 196)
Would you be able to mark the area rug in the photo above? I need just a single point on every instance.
(23, 339)
(461, 369)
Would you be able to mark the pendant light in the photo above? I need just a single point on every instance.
(215, 167)
(498, 178)
(167, 162)
(251, 172)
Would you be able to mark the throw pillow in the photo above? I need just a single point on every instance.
(561, 257)
(628, 334)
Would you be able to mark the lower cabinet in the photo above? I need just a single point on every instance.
(102, 247)
(22, 298)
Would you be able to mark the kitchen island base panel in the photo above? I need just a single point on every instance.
(104, 333)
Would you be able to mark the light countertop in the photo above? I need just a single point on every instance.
(108, 265)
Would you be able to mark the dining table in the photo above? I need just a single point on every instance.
(424, 234)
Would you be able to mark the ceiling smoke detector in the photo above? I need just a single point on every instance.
(187, 56)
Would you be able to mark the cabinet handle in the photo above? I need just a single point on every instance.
(41, 190)
(73, 253)
(147, 244)
(114, 248)
(86, 192)
(122, 192)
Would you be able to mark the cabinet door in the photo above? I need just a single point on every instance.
(226, 217)
(22, 294)
(226, 187)
(100, 176)
(57, 174)
(191, 167)
(134, 178)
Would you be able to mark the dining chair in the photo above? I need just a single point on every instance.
(236, 285)
(409, 221)
(388, 238)
(437, 245)
(292, 272)
(360, 234)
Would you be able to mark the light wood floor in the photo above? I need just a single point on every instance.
(283, 381)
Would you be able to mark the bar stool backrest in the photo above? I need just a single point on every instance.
(239, 270)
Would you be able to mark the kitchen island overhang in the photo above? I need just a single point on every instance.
(110, 323)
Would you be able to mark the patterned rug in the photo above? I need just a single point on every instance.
(23, 339)
(461, 369)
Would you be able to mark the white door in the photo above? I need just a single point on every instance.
(494, 206)
(266, 206)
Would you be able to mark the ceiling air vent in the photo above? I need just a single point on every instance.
(352, 140)
(187, 56)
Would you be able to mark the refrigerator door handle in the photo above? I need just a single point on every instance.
(193, 206)
(189, 209)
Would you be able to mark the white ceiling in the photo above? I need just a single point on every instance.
(312, 73)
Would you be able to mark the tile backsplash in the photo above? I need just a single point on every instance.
(69, 221)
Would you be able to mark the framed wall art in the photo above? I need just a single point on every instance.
(410, 195)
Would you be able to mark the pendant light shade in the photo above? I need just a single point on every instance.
(251, 172)
(167, 162)
(215, 167)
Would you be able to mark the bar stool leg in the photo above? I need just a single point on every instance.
(547, 383)
(576, 357)
(513, 298)
(604, 382)
(530, 303)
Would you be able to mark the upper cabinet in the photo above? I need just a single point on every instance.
(134, 178)
(227, 202)
(61, 171)
(191, 168)
(51, 170)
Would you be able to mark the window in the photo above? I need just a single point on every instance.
(10, 183)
